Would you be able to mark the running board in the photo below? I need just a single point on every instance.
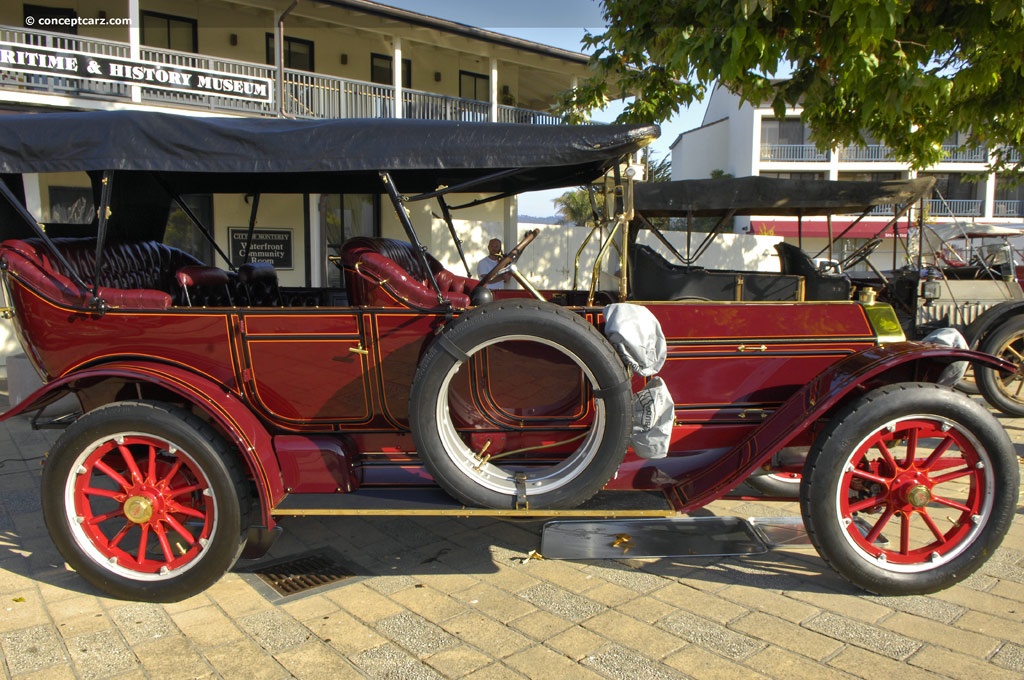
(433, 501)
(668, 537)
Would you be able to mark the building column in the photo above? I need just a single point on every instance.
(315, 245)
(494, 90)
(989, 206)
(755, 145)
(397, 63)
(135, 41)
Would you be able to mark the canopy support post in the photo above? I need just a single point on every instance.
(447, 214)
(398, 202)
(103, 216)
(252, 226)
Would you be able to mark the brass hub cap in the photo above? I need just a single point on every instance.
(919, 495)
(138, 509)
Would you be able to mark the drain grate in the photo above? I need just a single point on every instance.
(303, 574)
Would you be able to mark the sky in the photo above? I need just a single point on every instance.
(559, 23)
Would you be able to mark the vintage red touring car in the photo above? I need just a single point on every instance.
(215, 400)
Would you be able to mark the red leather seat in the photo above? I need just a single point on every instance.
(134, 275)
(384, 272)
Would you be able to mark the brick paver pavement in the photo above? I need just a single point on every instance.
(446, 597)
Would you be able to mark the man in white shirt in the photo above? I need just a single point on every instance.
(489, 262)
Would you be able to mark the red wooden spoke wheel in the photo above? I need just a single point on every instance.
(143, 505)
(909, 490)
(924, 486)
(145, 501)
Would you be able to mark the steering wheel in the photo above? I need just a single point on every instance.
(986, 268)
(510, 257)
(861, 254)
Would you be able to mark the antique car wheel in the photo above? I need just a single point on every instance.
(784, 484)
(144, 501)
(1004, 391)
(910, 489)
(462, 468)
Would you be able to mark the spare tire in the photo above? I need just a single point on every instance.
(453, 438)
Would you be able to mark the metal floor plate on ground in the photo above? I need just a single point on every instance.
(781, 531)
(668, 537)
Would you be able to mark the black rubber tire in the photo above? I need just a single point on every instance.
(1004, 392)
(838, 507)
(452, 463)
(203, 492)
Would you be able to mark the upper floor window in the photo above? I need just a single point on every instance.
(474, 86)
(298, 53)
(1008, 190)
(170, 32)
(869, 176)
(795, 175)
(382, 70)
(958, 186)
(785, 131)
(38, 12)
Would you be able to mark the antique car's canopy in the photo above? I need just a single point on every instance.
(156, 155)
(285, 156)
(955, 230)
(770, 196)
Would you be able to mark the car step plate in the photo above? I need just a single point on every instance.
(668, 537)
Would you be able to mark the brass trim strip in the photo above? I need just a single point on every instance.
(478, 512)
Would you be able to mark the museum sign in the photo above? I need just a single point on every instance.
(45, 61)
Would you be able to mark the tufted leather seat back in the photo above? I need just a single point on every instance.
(387, 272)
(146, 264)
(138, 275)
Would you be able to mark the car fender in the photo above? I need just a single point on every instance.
(223, 407)
(992, 317)
(920, 361)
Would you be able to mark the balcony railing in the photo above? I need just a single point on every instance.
(56, 84)
(954, 154)
(955, 208)
(1008, 208)
(871, 153)
(221, 67)
(792, 152)
(305, 95)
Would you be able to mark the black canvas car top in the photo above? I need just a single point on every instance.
(420, 154)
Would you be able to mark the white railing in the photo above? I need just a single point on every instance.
(1008, 208)
(221, 67)
(955, 208)
(305, 95)
(973, 155)
(512, 114)
(792, 152)
(57, 84)
(416, 104)
(869, 153)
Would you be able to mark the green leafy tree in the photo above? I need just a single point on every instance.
(659, 169)
(574, 207)
(909, 72)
